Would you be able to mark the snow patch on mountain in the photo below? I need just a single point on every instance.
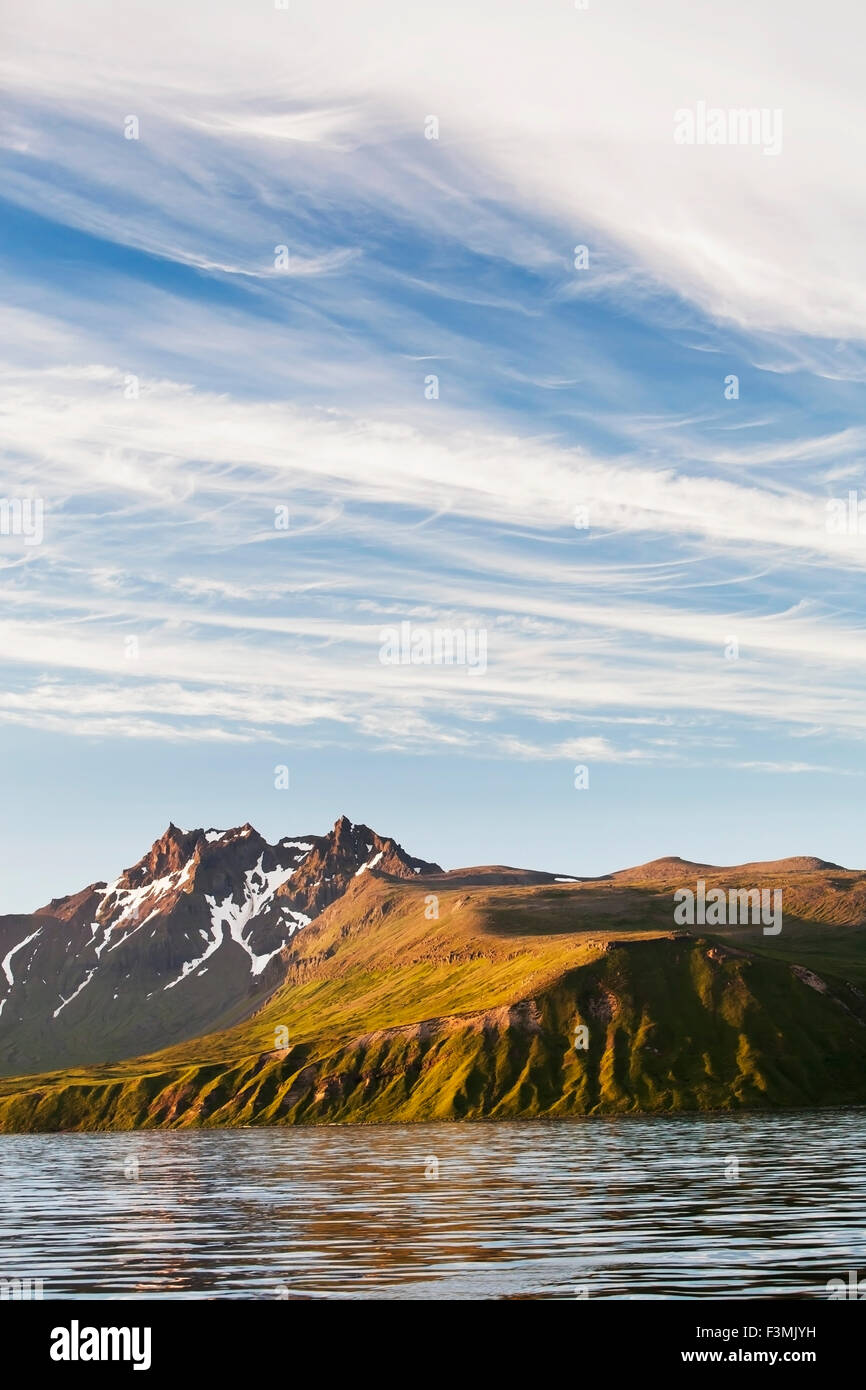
(75, 993)
(371, 863)
(300, 919)
(198, 890)
(213, 945)
(120, 907)
(259, 892)
(6, 963)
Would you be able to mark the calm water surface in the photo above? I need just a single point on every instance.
(625, 1208)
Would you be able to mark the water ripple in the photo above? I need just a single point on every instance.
(643, 1207)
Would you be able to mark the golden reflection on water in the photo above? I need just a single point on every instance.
(685, 1207)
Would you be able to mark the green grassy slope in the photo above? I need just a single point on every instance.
(393, 1017)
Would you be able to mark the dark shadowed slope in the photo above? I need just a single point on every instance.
(438, 998)
(189, 939)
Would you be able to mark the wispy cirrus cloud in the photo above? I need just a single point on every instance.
(555, 109)
(427, 411)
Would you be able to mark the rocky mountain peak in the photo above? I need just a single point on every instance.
(167, 855)
(195, 932)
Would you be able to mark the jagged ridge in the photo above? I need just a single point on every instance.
(192, 937)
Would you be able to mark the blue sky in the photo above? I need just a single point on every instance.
(167, 389)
